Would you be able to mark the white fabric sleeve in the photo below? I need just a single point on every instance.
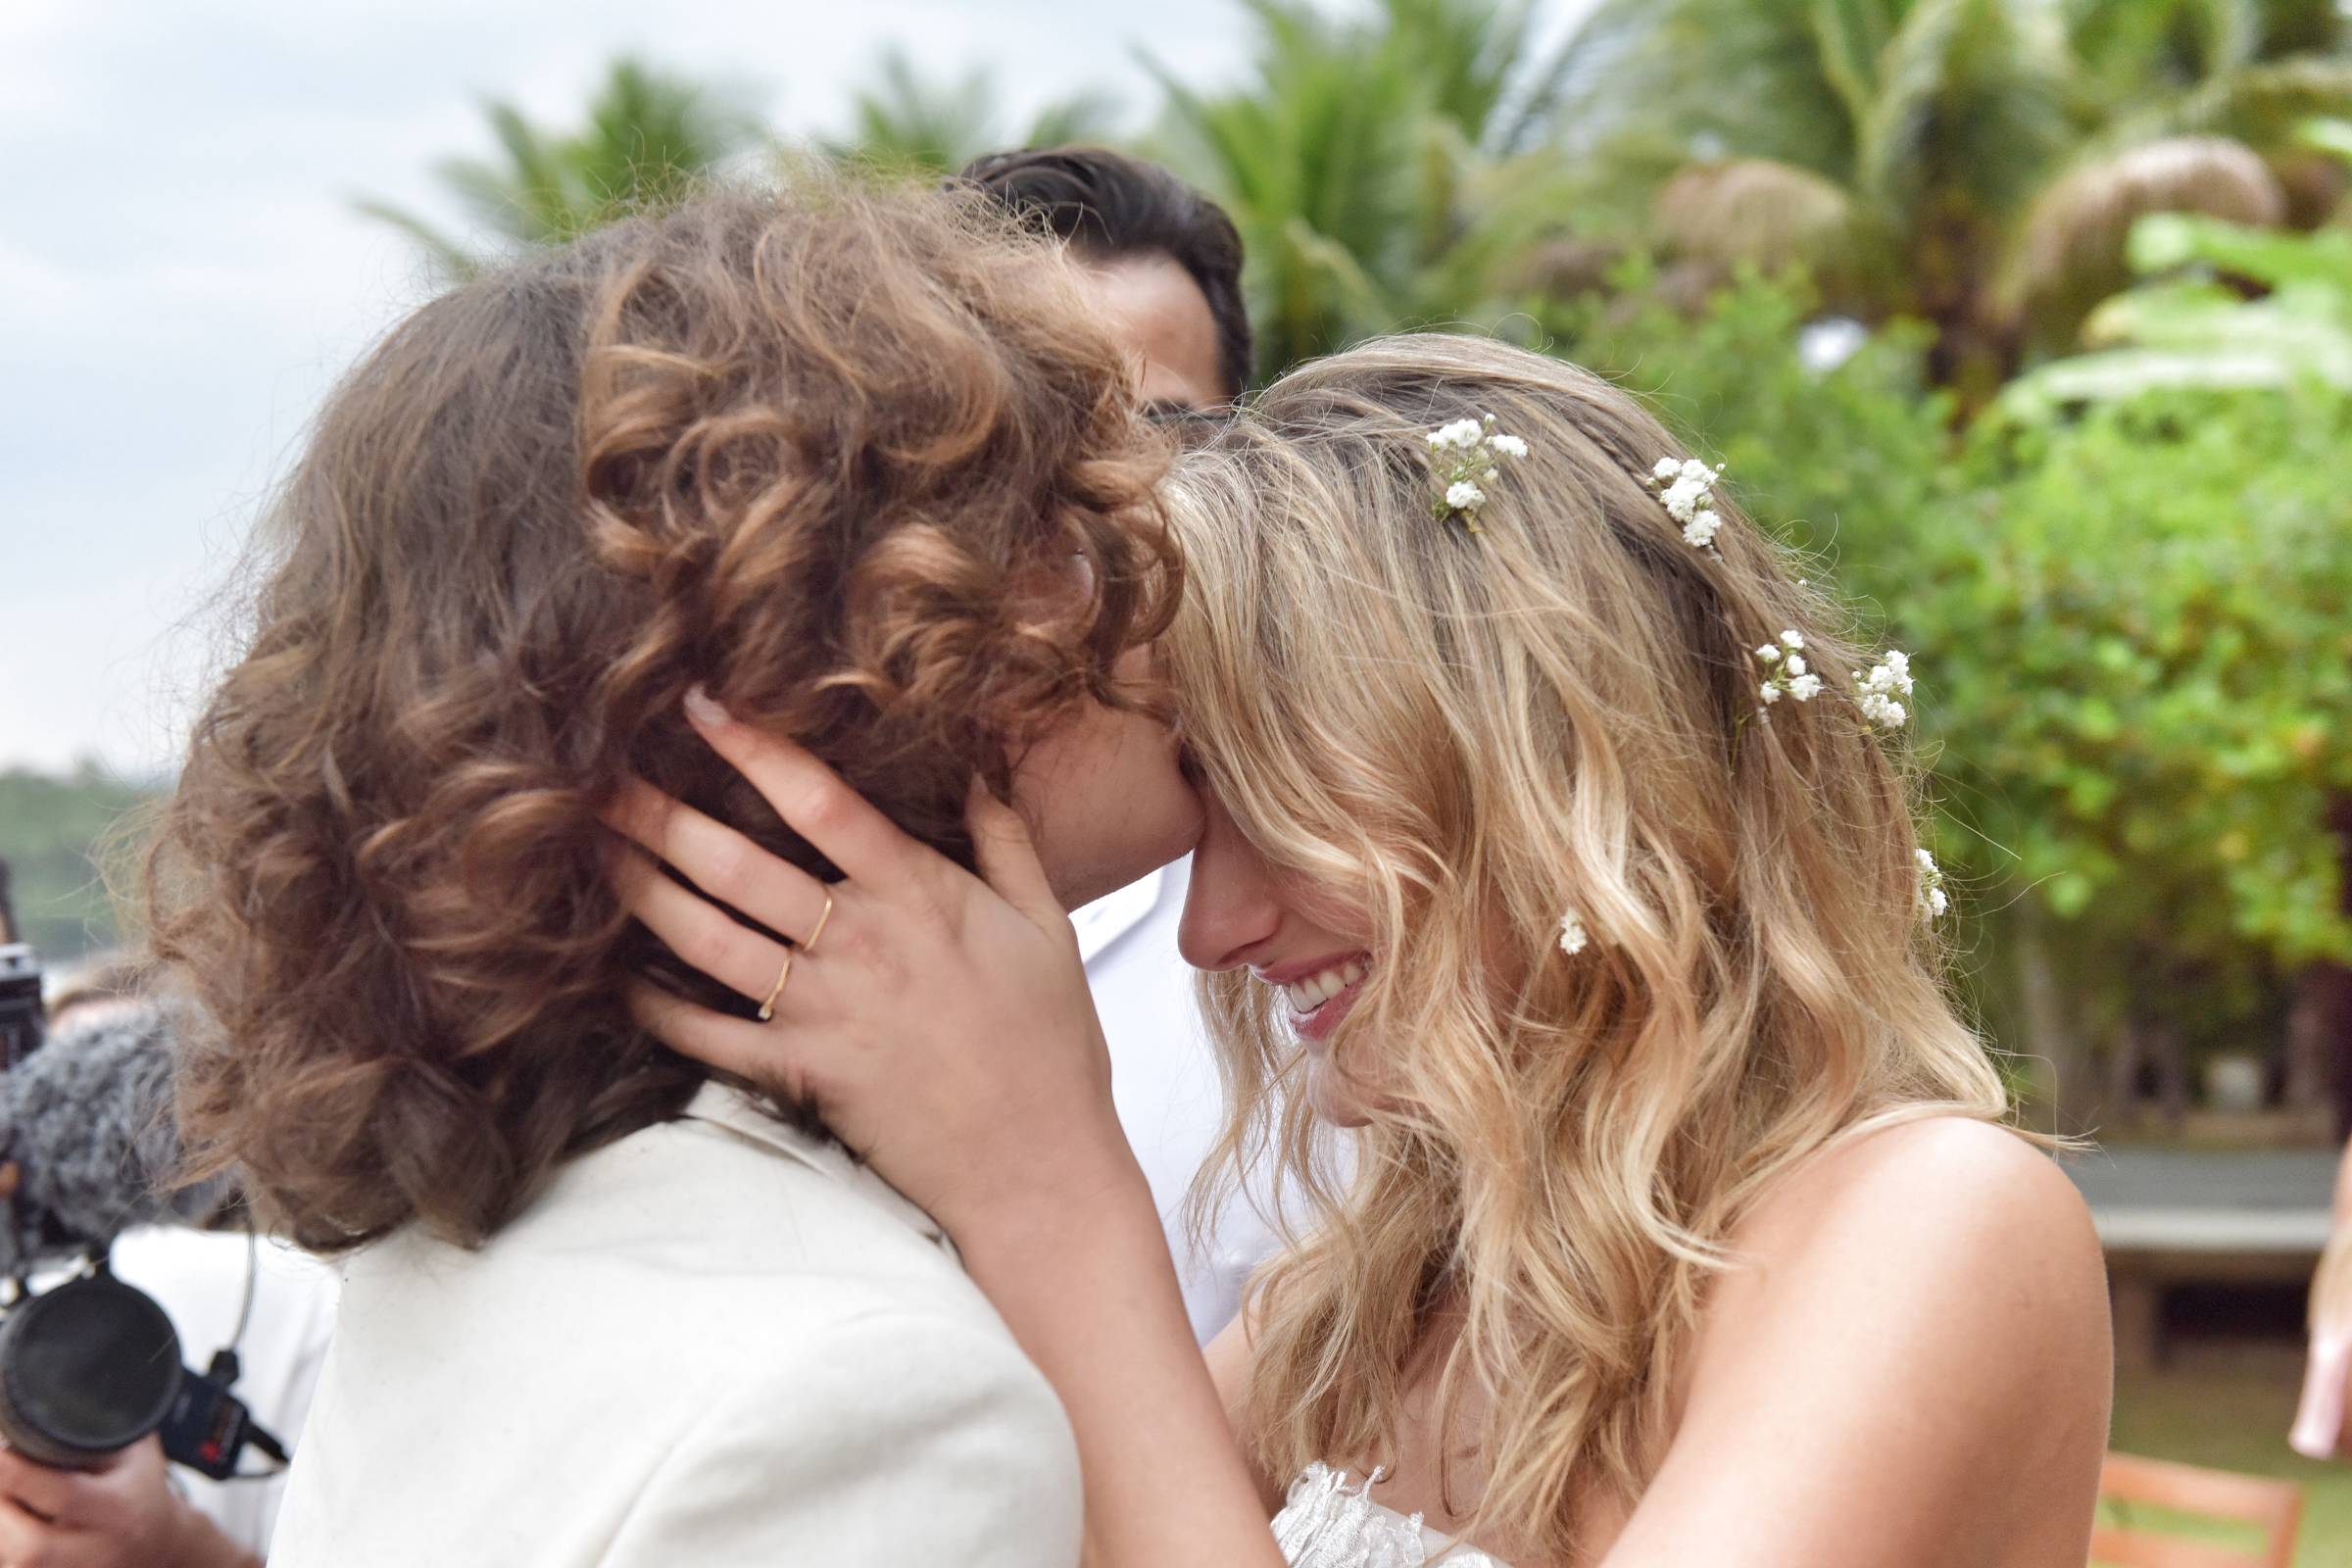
(898, 1438)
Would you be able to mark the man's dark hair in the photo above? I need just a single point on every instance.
(1108, 205)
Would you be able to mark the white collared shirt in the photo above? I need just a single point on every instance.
(718, 1341)
(1163, 1077)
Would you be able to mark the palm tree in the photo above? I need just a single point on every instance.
(1383, 171)
(2185, 327)
(649, 136)
(907, 123)
(1975, 163)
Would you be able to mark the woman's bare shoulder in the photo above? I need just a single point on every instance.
(1923, 1304)
(1926, 1302)
(1943, 1209)
(1958, 1166)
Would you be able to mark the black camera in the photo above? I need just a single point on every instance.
(93, 1365)
(19, 986)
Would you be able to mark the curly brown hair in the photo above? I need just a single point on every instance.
(816, 449)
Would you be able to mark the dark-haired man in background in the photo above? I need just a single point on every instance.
(1165, 264)
(1164, 261)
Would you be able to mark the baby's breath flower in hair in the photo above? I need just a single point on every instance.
(1685, 487)
(1786, 672)
(1473, 451)
(1932, 899)
(1574, 938)
(1889, 675)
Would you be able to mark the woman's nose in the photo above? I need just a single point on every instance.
(1232, 911)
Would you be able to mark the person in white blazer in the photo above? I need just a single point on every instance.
(788, 451)
(834, 1389)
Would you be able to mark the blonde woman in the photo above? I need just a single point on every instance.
(1559, 844)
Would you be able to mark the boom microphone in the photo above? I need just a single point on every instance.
(86, 1122)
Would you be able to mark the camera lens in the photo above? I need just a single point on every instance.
(86, 1370)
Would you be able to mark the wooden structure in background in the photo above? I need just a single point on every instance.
(2182, 1216)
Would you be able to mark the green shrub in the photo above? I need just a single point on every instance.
(50, 827)
(2139, 629)
(2131, 632)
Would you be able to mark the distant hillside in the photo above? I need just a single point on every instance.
(49, 828)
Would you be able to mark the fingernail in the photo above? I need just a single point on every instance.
(702, 710)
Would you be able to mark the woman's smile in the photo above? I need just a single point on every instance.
(1319, 992)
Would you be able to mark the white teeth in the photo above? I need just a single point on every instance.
(1305, 996)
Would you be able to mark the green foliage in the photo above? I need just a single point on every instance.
(648, 138)
(2132, 631)
(2141, 624)
(906, 123)
(1844, 460)
(2126, 592)
(50, 828)
(1385, 171)
(1981, 149)
(2155, 590)
(2187, 328)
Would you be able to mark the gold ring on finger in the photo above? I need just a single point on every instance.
(767, 1008)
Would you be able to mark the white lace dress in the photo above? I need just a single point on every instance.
(1326, 1524)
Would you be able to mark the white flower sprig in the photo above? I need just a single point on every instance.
(1786, 672)
(1478, 452)
(1685, 487)
(1889, 675)
(1933, 900)
(1574, 938)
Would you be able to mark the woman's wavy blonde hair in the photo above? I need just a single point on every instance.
(813, 449)
(1484, 732)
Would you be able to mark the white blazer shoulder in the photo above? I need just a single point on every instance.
(716, 1342)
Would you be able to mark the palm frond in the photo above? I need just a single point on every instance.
(908, 120)
(1084, 116)
(1849, 35)
(451, 260)
(648, 135)
(2264, 104)
(2233, 34)
(1911, 75)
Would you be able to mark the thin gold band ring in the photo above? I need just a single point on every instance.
(767, 1008)
(823, 915)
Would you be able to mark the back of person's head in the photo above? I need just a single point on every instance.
(1109, 206)
(1471, 736)
(830, 454)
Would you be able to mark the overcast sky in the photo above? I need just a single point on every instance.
(181, 275)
